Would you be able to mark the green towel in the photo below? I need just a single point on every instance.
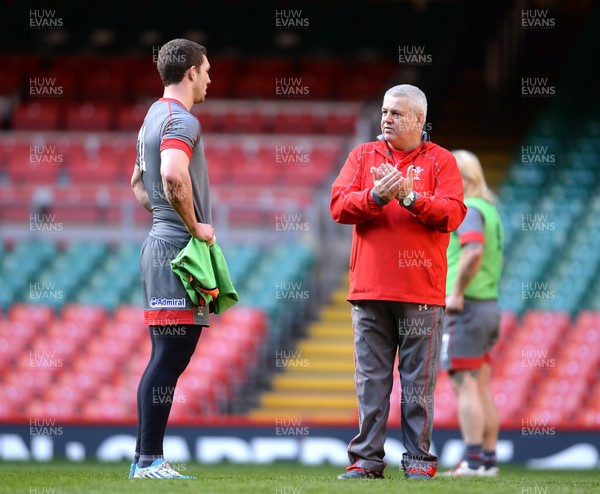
(205, 276)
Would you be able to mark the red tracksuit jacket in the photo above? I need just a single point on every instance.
(399, 254)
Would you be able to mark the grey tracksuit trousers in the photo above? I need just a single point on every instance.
(382, 329)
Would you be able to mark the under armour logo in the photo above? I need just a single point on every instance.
(422, 307)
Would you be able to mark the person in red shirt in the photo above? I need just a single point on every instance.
(404, 196)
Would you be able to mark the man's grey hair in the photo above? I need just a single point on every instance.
(416, 98)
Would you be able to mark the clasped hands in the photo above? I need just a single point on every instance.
(390, 184)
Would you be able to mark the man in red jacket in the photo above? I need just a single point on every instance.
(403, 194)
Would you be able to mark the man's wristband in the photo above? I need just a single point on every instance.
(378, 200)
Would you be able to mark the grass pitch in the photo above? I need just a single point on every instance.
(282, 478)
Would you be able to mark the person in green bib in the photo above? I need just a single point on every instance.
(472, 321)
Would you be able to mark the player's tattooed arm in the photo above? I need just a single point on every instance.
(140, 192)
(177, 185)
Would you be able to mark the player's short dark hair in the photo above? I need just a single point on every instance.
(176, 56)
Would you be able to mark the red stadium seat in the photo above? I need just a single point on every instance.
(103, 85)
(11, 349)
(37, 115)
(70, 330)
(149, 86)
(587, 319)
(85, 384)
(272, 66)
(257, 172)
(546, 319)
(211, 121)
(309, 174)
(251, 318)
(35, 164)
(131, 117)
(129, 314)
(361, 86)
(62, 347)
(574, 368)
(324, 67)
(125, 331)
(89, 116)
(580, 352)
(97, 168)
(19, 331)
(295, 122)
(38, 315)
(253, 84)
(588, 418)
(204, 396)
(10, 82)
(29, 380)
(320, 87)
(92, 364)
(106, 411)
(114, 350)
(212, 369)
(56, 411)
(589, 336)
(340, 123)
(89, 317)
(242, 120)
(63, 392)
(544, 419)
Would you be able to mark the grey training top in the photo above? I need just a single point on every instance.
(169, 125)
(473, 222)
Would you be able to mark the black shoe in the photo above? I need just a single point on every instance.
(360, 473)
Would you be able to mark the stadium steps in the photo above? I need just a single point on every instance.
(317, 378)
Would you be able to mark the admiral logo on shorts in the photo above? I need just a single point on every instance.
(166, 303)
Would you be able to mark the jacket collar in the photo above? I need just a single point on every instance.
(383, 148)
